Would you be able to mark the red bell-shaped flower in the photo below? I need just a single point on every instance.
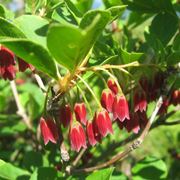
(49, 130)
(120, 108)
(140, 102)
(77, 136)
(65, 115)
(80, 112)
(90, 134)
(133, 123)
(102, 123)
(107, 99)
(7, 62)
(112, 85)
(24, 65)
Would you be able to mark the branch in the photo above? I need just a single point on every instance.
(159, 122)
(21, 112)
(40, 82)
(78, 157)
(136, 143)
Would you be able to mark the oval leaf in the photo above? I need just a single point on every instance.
(33, 53)
(34, 27)
(10, 30)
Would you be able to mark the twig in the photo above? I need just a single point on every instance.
(21, 112)
(136, 143)
(159, 122)
(170, 123)
(40, 82)
(78, 157)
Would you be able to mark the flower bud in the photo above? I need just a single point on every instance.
(77, 137)
(120, 108)
(7, 62)
(80, 112)
(107, 99)
(175, 97)
(133, 123)
(140, 102)
(112, 85)
(90, 134)
(103, 123)
(24, 65)
(65, 115)
(49, 130)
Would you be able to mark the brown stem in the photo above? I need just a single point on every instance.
(21, 111)
(78, 157)
(136, 143)
(39, 82)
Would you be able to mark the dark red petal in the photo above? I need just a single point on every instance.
(80, 112)
(90, 134)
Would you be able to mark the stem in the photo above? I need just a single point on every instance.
(113, 77)
(89, 88)
(78, 157)
(40, 82)
(86, 101)
(109, 66)
(21, 111)
(101, 77)
(136, 143)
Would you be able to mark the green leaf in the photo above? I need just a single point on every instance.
(68, 44)
(149, 168)
(10, 30)
(130, 57)
(161, 22)
(72, 43)
(10, 172)
(116, 11)
(32, 53)
(4, 13)
(62, 14)
(150, 6)
(73, 9)
(173, 58)
(32, 160)
(34, 27)
(104, 174)
(32, 6)
(45, 173)
(176, 43)
(111, 3)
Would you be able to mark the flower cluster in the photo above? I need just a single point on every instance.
(114, 108)
(7, 64)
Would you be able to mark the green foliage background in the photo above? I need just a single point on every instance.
(147, 32)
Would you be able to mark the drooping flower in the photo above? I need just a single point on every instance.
(143, 119)
(90, 134)
(49, 130)
(140, 102)
(107, 99)
(112, 85)
(7, 62)
(24, 65)
(175, 97)
(102, 123)
(120, 108)
(133, 123)
(77, 136)
(65, 115)
(80, 112)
